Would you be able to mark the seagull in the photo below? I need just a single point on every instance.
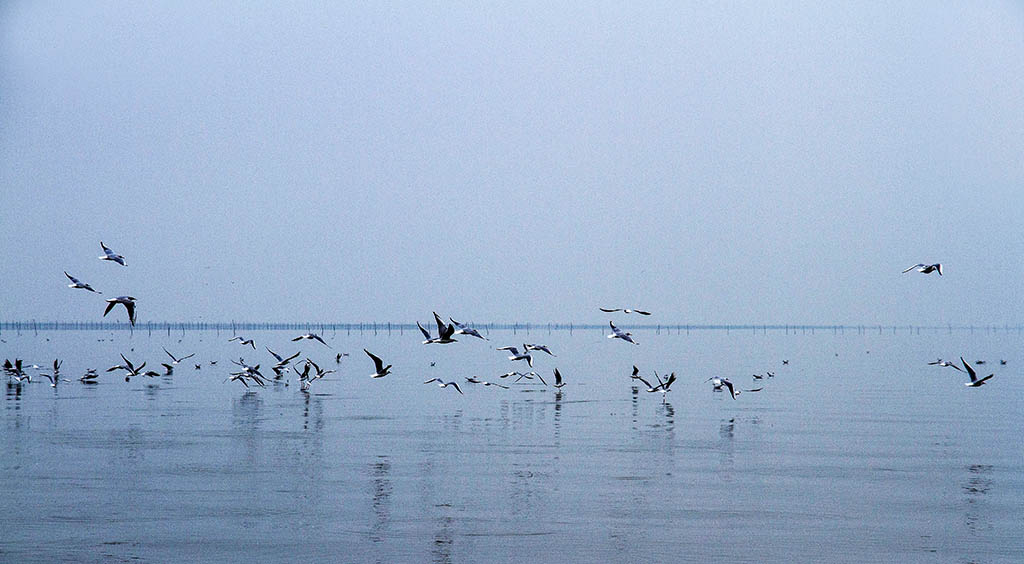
(650, 389)
(716, 383)
(539, 348)
(785, 362)
(463, 329)
(244, 342)
(529, 376)
(558, 379)
(444, 384)
(282, 363)
(320, 372)
(941, 362)
(381, 370)
(444, 332)
(312, 336)
(514, 354)
(175, 360)
(926, 268)
(619, 334)
(89, 377)
(975, 382)
(127, 301)
(624, 310)
(111, 255)
(76, 283)
(507, 374)
(128, 367)
(1002, 362)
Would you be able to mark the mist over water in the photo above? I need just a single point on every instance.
(856, 451)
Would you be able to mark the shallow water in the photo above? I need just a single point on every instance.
(856, 451)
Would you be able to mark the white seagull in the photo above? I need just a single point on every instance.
(623, 310)
(926, 268)
(558, 379)
(245, 342)
(444, 332)
(463, 329)
(175, 360)
(941, 362)
(381, 370)
(539, 348)
(111, 255)
(444, 384)
(619, 334)
(127, 301)
(76, 283)
(975, 381)
(313, 337)
(515, 355)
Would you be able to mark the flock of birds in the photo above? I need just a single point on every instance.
(308, 371)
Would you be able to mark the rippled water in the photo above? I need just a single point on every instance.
(856, 451)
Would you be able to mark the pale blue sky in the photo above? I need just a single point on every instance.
(758, 163)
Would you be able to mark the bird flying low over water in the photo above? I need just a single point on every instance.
(127, 301)
(619, 334)
(514, 354)
(175, 360)
(444, 332)
(463, 329)
(926, 268)
(623, 310)
(380, 370)
(558, 379)
(311, 336)
(245, 342)
(111, 255)
(76, 283)
(941, 362)
(975, 381)
(539, 348)
(444, 384)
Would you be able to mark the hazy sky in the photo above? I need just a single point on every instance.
(713, 162)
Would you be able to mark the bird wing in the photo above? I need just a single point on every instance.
(376, 360)
(732, 391)
(110, 306)
(642, 312)
(426, 334)
(668, 383)
(646, 383)
(939, 268)
(169, 354)
(558, 377)
(610, 310)
(970, 371)
(441, 327)
(130, 306)
(274, 354)
(918, 265)
(433, 380)
(72, 278)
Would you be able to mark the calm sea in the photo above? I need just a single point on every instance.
(856, 451)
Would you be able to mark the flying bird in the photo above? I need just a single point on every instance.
(444, 332)
(111, 255)
(311, 336)
(515, 355)
(380, 370)
(623, 310)
(175, 360)
(941, 362)
(975, 381)
(619, 334)
(444, 384)
(244, 342)
(463, 329)
(926, 268)
(558, 379)
(76, 283)
(539, 348)
(127, 301)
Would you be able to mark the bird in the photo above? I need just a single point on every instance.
(650, 388)
(926, 268)
(1002, 362)
(529, 376)
(244, 342)
(175, 360)
(111, 255)
(127, 301)
(975, 381)
(128, 367)
(168, 369)
(623, 310)
(312, 336)
(619, 334)
(463, 329)
(380, 370)
(76, 283)
(785, 362)
(539, 348)
(444, 384)
(558, 379)
(89, 377)
(941, 362)
(515, 355)
(444, 332)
